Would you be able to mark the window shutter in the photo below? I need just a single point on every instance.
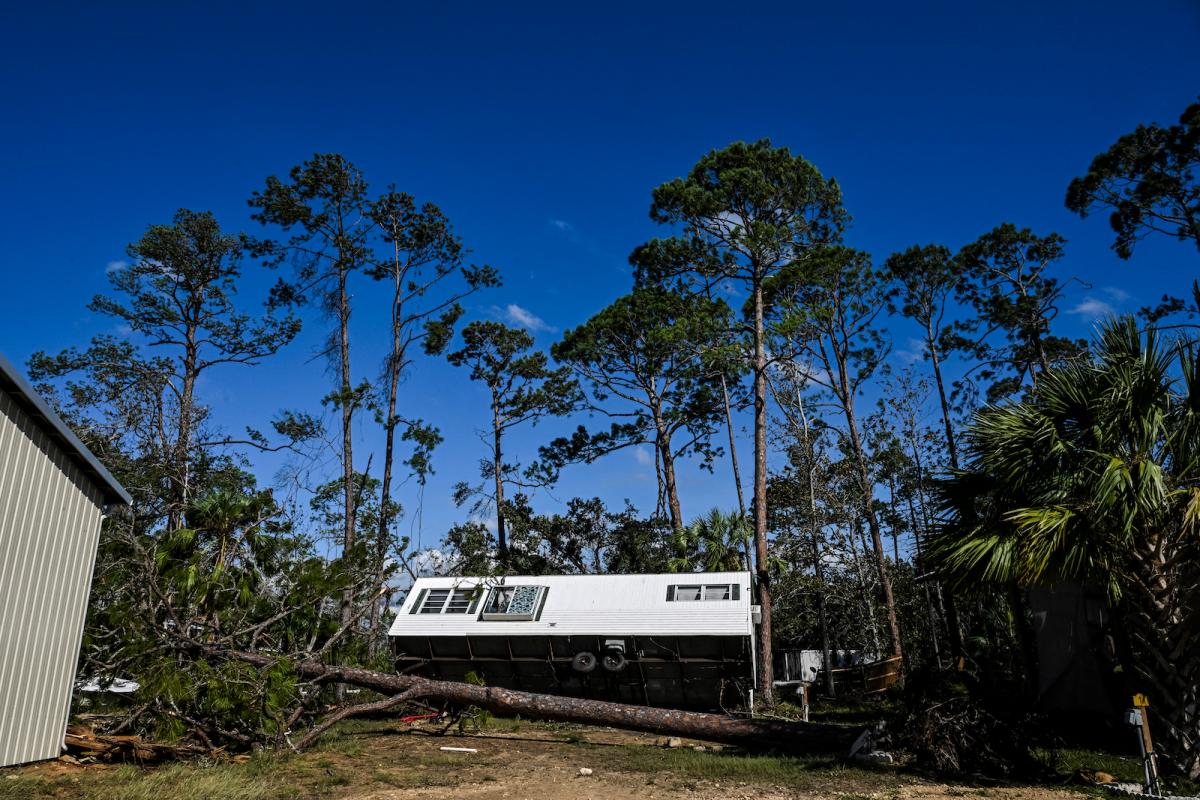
(479, 593)
(417, 605)
(737, 589)
(670, 593)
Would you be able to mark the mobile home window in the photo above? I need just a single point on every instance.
(447, 601)
(716, 592)
(689, 592)
(514, 602)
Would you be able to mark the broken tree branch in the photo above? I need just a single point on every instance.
(349, 711)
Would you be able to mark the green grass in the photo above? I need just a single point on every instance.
(687, 764)
(1123, 769)
(174, 782)
(362, 757)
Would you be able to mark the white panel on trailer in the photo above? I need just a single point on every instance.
(577, 605)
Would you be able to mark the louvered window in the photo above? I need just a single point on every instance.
(447, 601)
(690, 592)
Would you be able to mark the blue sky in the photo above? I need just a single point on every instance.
(540, 130)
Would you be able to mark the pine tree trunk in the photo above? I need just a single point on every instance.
(737, 473)
(796, 737)
(766, 669)
(395, 359)
(818, 567)
(347, 407)
(662, 440)
(868, 511)
(498, 477)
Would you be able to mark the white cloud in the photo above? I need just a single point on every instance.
(1093, 308)
(524, 318)
(643, 456)
(1115, 293)
(912, 352)
(430, 561)
(562, 225)
(115, 266)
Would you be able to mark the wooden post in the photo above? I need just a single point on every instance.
(1141, 707)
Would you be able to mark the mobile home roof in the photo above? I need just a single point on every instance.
(579, 605)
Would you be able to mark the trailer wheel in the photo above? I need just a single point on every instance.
(584, 662)
(614, 660)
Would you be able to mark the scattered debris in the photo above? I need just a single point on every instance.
(674, 741)
(83, 742)
(874, 757)
(953, 726)
(584, 772)
(1092, 777)
(699, 748)
(117, 686)
(459, 749)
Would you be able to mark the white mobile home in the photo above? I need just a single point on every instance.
(672, 640)
(53, 494)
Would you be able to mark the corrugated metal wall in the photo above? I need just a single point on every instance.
(49, 527)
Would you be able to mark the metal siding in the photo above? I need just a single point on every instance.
(594, 605)
(49, 528)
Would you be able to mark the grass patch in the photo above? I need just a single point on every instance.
(692, 765)
(174, 782)
(1070, 760)
(1124, 768)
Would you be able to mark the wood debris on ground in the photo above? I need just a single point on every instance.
(84, 743)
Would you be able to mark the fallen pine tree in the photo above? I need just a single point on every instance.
(771, 734)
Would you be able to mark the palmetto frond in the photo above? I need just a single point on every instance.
(1081, 477)
(1096, 480)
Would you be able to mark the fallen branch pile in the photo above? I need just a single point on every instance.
(83, 742)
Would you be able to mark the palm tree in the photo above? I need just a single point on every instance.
(715, 542)
(1096, 480)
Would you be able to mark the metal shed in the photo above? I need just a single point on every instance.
(53, 495)
(671, 640)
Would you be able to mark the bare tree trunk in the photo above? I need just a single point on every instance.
(818, 567)
(792, 736)
(347, 406)
(737, 472)
(953, 622)
(933, 615)
(936, 360)
(183, 442)
(868, 510)
(662, 440)
(395, 362)
(498, 475)
(895, 526)
(856, 531)
(766, 669)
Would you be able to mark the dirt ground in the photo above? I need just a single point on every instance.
(513, 761)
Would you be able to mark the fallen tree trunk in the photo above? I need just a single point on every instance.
(796, 737)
